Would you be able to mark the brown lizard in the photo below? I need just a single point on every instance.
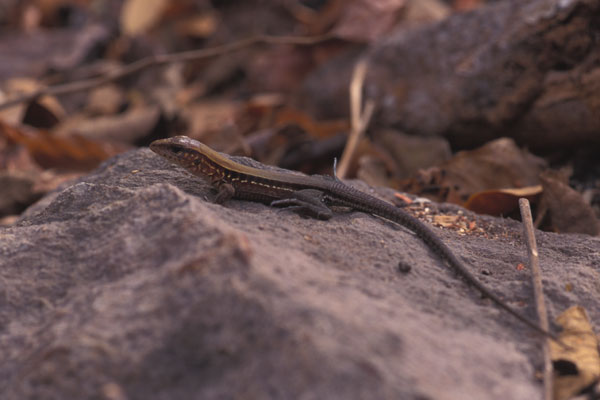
(312, 195)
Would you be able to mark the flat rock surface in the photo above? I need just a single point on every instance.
(131, 284)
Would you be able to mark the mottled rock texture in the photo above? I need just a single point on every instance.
(129, 284)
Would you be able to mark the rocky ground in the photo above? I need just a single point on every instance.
(131, 284)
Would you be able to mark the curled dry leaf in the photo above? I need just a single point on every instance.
(43, 114)
(499, 164)
(74, 153)
(501, 201)
(578, 366)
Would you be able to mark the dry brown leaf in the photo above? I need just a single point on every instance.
(14, 157)
(105, 100)
(127, 128)
(198, 26)
(139, 16)
(74, 153)
(498, 164)
(576, 367)
(43, 115)
(367, 20)
(501, 201)
(317, 129)
(422, 11)
(17, 114)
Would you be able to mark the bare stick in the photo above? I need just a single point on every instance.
(161, 59)
(536, 276)
(359, 118)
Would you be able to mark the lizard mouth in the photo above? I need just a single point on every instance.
(163, 148)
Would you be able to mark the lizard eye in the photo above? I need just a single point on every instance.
(176, 149)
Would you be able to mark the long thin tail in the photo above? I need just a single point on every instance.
(439, 247)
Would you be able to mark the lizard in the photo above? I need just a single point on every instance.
(312, 195)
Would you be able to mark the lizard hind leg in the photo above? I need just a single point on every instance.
(307, 202)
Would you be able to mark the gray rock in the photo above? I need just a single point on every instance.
(129, 284)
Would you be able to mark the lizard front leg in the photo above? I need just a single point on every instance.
(225, 191)
(306, 202)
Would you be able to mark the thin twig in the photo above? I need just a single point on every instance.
(536, 276)
(162, 59)
(359, 118)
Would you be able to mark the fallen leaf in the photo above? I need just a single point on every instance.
(577, 367)
(105, 100)
(499, 164)
(316, 129)
(424, 11)
(367, 20)
(16, 87)
(501, 201)
(198, 26)
(139, 16)
(43, 114)
(127, 128)
(73, 153)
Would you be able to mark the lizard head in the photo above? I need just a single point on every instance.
(187, 153)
